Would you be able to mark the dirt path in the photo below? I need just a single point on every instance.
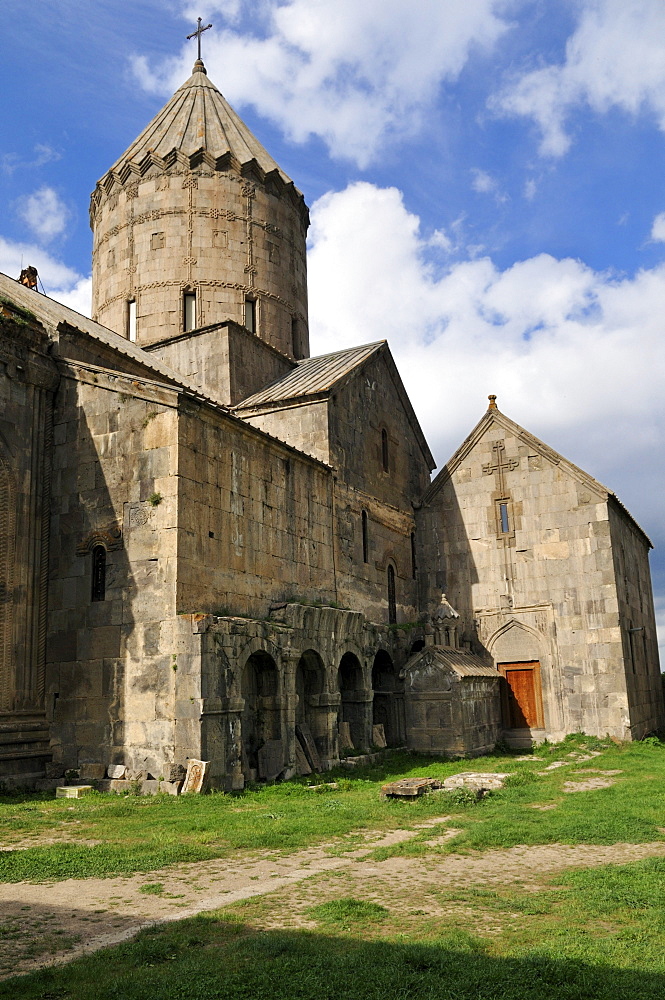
(49, 923)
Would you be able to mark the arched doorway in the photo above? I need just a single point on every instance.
(261, 712)
(352, 708)
(517, 655)
(388, 708)
(310, 686)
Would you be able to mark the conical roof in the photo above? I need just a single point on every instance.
(198, 119)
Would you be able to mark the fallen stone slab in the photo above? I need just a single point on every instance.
(363, 759)
(476, 781)
(590, 785)
(409, 788)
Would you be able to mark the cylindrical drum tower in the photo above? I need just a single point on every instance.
(196, 224)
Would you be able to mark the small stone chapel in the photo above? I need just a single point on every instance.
(216, 547)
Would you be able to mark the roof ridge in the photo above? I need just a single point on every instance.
(344, 350)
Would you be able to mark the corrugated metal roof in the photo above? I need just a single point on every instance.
(457, 661)
(311, 376)
(198, 117)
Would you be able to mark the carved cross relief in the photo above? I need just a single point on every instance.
(500, 465)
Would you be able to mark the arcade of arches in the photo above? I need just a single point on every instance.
(327, 703)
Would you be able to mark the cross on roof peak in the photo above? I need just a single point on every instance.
(197, 34)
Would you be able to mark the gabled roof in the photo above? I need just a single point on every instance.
(494, 416)
(55, 318)
(311, 377)
(449, 660)
(199, 118)
(314, 378)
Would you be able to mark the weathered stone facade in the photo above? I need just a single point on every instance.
(534, 556)
(245, 554)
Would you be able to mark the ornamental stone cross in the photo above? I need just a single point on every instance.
(501, 464)
(197, 34)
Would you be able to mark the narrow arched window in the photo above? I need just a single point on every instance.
(250, 315)
(384, 449)
(392, 604)
(131, 320)
(98, 573)
(189, 311)
(413, 555)
(295, 338)
(363, 518)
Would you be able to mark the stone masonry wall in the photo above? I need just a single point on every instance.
(636, 611)
(109, 666)
(549, 578)
(255, 522)
(28, 378)
(225, 360)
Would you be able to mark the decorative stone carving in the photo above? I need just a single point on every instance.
(110, 537)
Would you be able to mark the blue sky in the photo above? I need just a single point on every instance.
(485, 180)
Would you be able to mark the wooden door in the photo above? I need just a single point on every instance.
(523, 693)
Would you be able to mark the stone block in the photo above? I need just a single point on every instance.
(345, 740)
(271, 760)
(91, 771)
(304, 737)
(378, 736)
(72, 791)
(196, 776)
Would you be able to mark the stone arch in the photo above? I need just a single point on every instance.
(353, 695)
(261, 713)
(517, 650)
(388, 698)
(236, 664)
(7, 561)
(311, 703)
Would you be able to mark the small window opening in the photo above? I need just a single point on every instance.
(503, 514)
(413, 555)
(98, 573)
(384, 449)
(189, 311)
(295, 346)
(365, 537)
(131, 320)
(392, 603)
(250, 315)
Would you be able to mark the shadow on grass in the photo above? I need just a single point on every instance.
(209, 957)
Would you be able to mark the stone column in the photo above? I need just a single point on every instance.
(289, 662)
(329, 702)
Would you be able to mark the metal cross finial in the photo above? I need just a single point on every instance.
(197, 34)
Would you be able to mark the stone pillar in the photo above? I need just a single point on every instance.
(289, 662)
(328, 741)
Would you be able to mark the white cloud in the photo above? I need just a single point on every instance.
(354, 74)
(9, 162)
(575, 355)
(614, 59)
(482, 181)
(530, 188)
(658, 228)
(58, 281)
(44, 213)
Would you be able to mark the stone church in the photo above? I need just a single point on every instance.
(214, 546)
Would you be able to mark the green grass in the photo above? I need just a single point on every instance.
(587, 935)
(146, 834)
(347, 912)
